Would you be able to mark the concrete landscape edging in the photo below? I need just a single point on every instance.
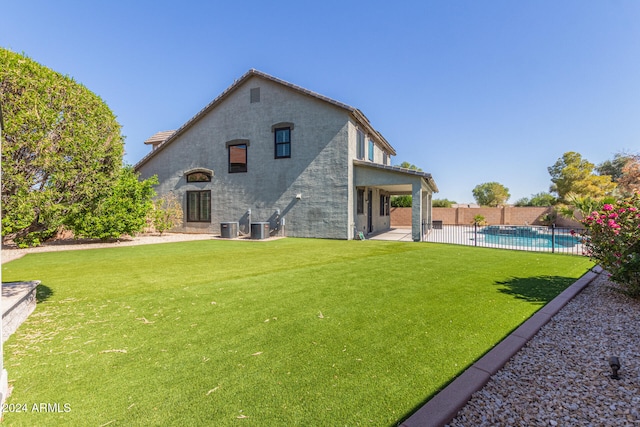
(18, 302)
(444, 406)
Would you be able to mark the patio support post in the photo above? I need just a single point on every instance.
(416, 212)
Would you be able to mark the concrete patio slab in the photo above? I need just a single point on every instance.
(393, 234)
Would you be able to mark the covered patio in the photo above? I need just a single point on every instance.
(393, 234)
(394, 181)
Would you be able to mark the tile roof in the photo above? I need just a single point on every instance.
(427, 176)
(160, 137)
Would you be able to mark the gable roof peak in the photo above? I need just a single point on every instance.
(354, 112)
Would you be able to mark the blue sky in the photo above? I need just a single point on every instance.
(471, 91)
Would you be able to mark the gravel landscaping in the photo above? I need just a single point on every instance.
(562, 376)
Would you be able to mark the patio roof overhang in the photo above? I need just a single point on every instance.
(393, 179)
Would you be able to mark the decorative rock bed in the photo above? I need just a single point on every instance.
(562, 376)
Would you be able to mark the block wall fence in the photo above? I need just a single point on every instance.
(506, 215)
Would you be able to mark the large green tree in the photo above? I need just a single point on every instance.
(538, 199)
(61, 150)
(573, 175)
(624, 170)
(614, 167)
(491, 194)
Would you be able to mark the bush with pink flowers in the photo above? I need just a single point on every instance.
(612, 238)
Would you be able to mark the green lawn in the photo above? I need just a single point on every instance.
(285, 332)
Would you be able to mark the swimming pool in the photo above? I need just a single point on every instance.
(528, 237)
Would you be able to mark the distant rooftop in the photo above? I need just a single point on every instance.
(159, 137)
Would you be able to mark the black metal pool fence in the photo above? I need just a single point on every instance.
(525, 238)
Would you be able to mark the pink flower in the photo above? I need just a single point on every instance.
(613, 215)
(611, 223)
(607, 207)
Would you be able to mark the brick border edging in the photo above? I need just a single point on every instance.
(444, 406)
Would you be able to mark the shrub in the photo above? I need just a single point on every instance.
(401, 201)
(61, 149)
(612, 238)
(123, 210)
(166, 213)
(442, 203)
(479, 220)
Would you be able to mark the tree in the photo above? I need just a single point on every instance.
(405, 201)
(629, 182)
(408, 165)
(491, 194)
(539, 199)
(573, 174)
(614, 167)
(442, 203)
(61, 153)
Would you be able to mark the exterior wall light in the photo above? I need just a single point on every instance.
(614, 362)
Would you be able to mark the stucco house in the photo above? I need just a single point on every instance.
(269, 151)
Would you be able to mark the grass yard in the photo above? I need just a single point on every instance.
(285, 332)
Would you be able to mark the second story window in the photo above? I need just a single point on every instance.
(371, 145)
(360, 145)
(283, 142)
(238, 155)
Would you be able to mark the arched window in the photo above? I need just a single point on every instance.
(199, 175)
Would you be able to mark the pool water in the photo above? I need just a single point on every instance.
(527, 237)
(532, 242)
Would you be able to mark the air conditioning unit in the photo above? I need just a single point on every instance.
(228, 230)
(259, 230)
